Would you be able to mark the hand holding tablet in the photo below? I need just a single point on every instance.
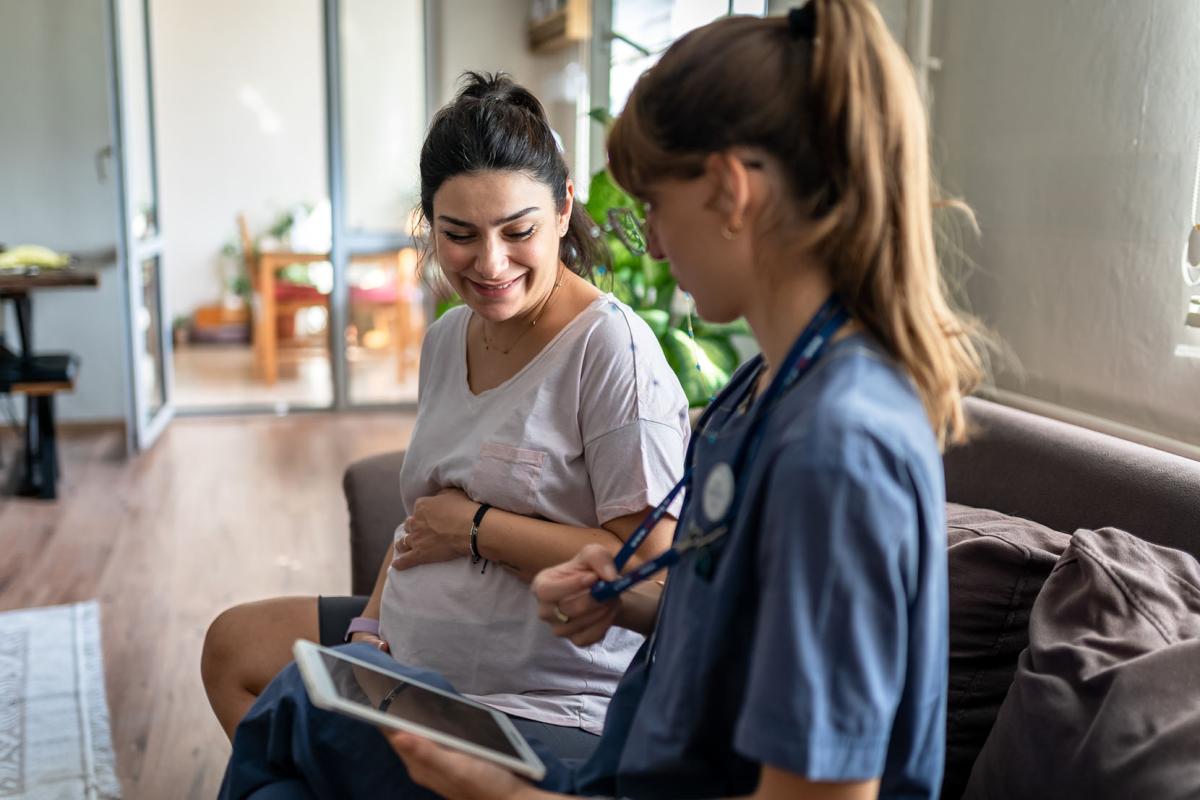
(339, 682)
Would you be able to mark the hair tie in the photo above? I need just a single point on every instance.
(802, 22)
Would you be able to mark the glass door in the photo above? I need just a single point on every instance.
(141, 240)
(378, 112)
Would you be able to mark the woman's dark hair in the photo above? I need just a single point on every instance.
(496, 124)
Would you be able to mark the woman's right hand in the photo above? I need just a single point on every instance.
(370, 639)
(565, 590)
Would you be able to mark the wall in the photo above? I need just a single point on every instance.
(1071, 128)
(240, 106)
(383, 110)
(493, 36)
(54, 92)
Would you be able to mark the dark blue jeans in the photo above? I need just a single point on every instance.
(288, 748)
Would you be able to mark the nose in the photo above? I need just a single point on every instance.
(492, 263)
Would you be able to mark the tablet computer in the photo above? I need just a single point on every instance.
(339, 682)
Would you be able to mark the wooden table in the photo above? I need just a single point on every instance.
(14, 282)
(267, 263)
(40, 438)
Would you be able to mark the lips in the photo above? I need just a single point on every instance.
(495, 289)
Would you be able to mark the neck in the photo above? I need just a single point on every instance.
(781, 308)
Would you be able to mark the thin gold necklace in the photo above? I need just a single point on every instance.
(487, 345)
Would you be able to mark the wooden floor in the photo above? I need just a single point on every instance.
(218, 512)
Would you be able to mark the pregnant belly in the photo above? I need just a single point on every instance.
(480, 631)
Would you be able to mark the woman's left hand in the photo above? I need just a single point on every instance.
(438, 530)
(454, 775)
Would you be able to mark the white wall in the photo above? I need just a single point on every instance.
(240, 107)
(54, 96)
(383, 110)
(484, 37)
(1072, 130)
(493, 36)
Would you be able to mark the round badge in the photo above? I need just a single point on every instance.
(718, 492)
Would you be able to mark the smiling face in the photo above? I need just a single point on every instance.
(497, 238)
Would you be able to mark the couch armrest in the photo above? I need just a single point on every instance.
(1066, 477)
(372, 488)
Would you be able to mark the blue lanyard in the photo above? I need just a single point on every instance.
(799, 360)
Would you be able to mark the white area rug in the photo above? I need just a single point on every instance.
(54, 737)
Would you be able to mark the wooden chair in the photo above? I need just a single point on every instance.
(278, 299)
(395, 306)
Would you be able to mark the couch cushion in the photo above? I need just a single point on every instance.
(997, 565)
(1106, 700)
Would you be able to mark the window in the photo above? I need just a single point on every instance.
(643, 29)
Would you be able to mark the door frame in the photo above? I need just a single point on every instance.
(142, 428)
(345, 243)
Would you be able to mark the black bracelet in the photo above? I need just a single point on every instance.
(475, 557)
(390, 696)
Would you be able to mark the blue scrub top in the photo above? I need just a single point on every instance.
(817, 641)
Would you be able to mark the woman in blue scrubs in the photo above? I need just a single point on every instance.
(800, 646)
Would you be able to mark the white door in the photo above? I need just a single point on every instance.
(141, 241)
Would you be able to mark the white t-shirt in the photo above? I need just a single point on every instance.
(593, 428)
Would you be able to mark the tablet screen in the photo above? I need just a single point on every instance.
(384, 692)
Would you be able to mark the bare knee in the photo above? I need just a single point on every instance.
(223, 643)
(248, 644)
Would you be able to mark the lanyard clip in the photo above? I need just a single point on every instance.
(700, 538)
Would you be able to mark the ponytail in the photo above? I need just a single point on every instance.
(830, 95)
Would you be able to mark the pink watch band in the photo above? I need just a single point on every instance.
(362, 625)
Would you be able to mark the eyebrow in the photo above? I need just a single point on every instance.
(509, 218)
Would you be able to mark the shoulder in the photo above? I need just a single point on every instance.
(614, 330)
(854, 457)
(452, 320)
(624, 376)
(859, 419)
(446, 328)
(618, 345)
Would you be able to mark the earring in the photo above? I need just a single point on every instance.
(730, 232)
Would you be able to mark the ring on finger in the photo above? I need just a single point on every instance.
(560, 616)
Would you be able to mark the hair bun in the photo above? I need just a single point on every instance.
(499, 87)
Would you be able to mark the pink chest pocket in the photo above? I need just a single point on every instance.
(507, 477)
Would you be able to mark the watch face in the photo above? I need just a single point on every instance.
(717, 495)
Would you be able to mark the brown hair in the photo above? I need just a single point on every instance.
(841, 113)
(496, 124)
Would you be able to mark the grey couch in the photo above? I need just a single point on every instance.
(1060, 475)
(1023, 465)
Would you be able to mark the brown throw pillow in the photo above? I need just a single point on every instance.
(1106, 700)
(997, 565)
